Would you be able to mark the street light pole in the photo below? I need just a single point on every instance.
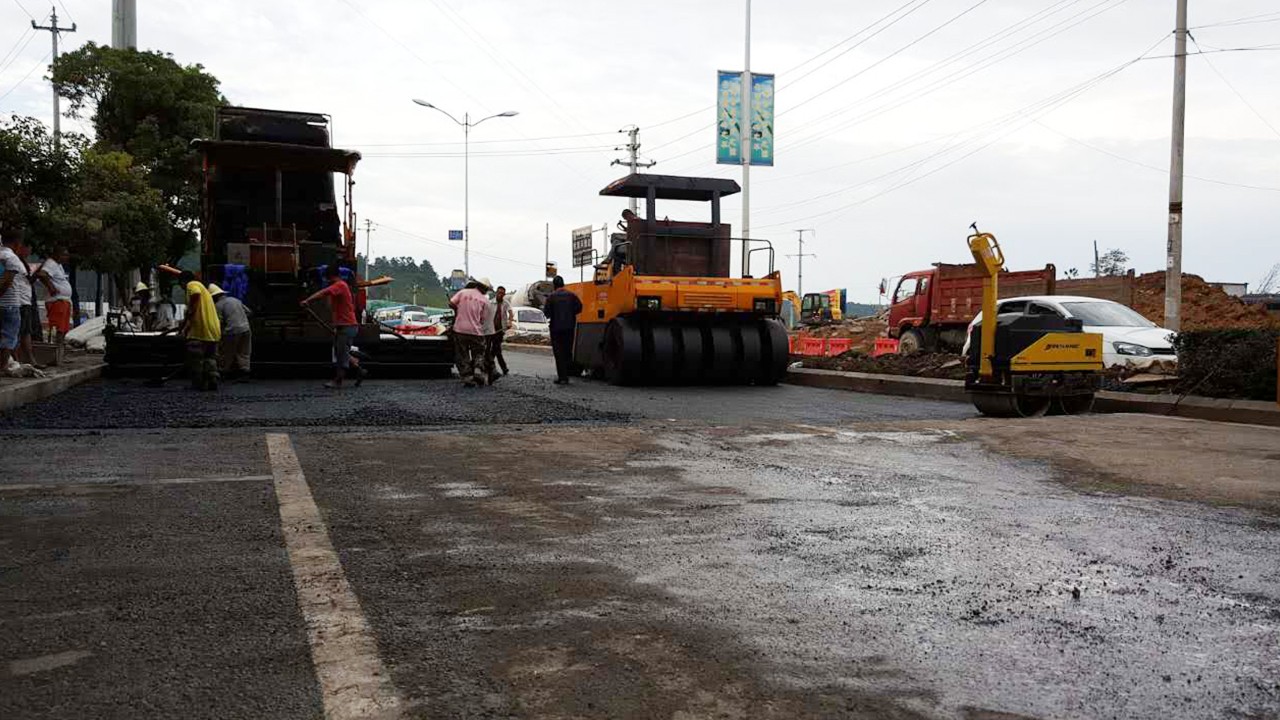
(466, 124)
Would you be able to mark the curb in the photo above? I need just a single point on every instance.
(28, 391)
(1252, 412)
(522, 347)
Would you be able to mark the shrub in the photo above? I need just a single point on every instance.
(1228, 363)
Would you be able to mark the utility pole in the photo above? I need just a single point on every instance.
(746, 146)
(800, 256)
(633, 149)
(546, 240)
(1097, 261)
(1173, 272)
(124, 24)
(53, 29)
(368, 257)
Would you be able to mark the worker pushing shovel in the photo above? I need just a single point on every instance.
(343, 326)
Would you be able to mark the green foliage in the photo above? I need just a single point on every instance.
(98, 203)
(1228, 363)
(1111, 263)
(34, 175)
(147, 105)
(408, 273)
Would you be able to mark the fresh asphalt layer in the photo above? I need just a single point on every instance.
(417, 549)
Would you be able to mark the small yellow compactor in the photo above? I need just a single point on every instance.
(1027, 365)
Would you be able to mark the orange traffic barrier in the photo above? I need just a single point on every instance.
(836, 346)
(885, 346)
(813, 346)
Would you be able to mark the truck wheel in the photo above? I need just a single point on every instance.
(910, 342)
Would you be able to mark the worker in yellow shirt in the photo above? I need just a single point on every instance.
(203, 331)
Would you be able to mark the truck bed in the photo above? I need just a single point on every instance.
(958, 297)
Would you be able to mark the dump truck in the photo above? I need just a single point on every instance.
(270, 225)
(931, 309)
(663, 308)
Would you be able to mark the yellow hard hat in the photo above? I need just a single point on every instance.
(214, 290)
(141, 287)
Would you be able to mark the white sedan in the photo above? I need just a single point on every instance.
(1128, 339)
(531, 321)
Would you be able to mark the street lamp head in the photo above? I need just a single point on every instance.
(424, 103)
(509, 113)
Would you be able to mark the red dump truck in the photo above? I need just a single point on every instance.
(932, 308)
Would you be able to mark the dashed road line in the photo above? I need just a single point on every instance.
(353, 681)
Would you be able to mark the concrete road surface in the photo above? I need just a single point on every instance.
(415, 549)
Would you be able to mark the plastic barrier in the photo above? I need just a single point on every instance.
(812, 346)
(836, 346)
(793, 344)
(885, 346)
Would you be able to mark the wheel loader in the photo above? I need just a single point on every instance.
(1026, 365)
(663, 308)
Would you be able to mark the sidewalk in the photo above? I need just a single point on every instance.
(78, 367)
(1191, 406)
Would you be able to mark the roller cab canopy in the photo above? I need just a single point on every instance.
(671, 187)
(272, 156)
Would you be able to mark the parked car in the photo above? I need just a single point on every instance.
(414, 322)
(531, 321)
(1128, 339)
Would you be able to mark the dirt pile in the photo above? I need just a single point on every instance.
(931, 365)
(527, 339)
(863, 331)
(1204, 307)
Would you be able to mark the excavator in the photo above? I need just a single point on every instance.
(1026, 365)
(663, 309)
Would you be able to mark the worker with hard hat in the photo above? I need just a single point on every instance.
(140, 306)
(236, 345)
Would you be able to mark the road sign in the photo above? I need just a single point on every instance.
(455, 234)
(583, 253)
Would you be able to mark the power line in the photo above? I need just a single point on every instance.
(24, 77)
(15, 52)
(1247, 20)
(481, 142)
(497, 153)
(862, 42)
(1157, 168)
(454, 247)
(1034, 110)
(1227, 82)
(24, 9)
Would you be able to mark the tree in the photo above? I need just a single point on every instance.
(35, 176)
(1071, 273)
(1112, 262)
(148, 105)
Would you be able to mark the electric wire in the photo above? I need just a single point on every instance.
(24, 77)
(24, 9)
(1233, 89)
(454, 246)
(1157, 168)
(18, 48)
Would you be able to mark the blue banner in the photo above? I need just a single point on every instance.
(729, 118)
(761, 119)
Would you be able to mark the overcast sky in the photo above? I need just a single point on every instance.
(899, 123)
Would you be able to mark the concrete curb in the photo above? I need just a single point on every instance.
(1237, 411)
(521, 347)
(28, 391)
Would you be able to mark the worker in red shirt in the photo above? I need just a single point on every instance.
(343, 313)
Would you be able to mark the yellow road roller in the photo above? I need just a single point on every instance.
(662, 307)
(1021, 365)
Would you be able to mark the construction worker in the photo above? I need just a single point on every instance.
(470, 308)
(236, 345)
(504, 318)
(562, 308)
(140, 307)
(202, 330)
(53, 275)
(343, 320)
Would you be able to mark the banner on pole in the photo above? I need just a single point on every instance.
(761, 119)
(583, 253)
(728, 117)
(730, 122)
(455, 234)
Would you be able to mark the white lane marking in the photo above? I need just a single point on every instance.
(353, 681)
(131, 483)
(46, 662)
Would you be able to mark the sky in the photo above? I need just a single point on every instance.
(898, 123)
